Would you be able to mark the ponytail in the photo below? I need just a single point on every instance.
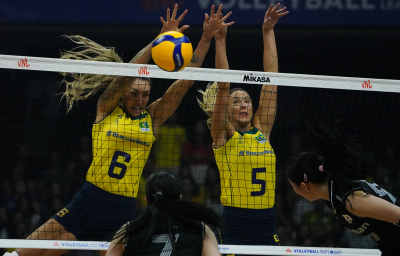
(165, 209)
(340, 159)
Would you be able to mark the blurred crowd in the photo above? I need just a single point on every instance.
(34, 188)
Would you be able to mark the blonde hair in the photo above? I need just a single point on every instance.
(208, 102)
(81, 86)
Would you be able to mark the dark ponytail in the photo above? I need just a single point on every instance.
(163, 191)
(335, 156)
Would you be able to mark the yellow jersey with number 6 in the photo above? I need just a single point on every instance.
(121, 146)
(246, 165)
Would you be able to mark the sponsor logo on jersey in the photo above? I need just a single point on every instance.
(122, 137)
(260, 138)
(251, 153)
(251, 78)
(361, 229)
(348, 218)
(144, 126)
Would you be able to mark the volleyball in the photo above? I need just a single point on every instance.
(172, 51)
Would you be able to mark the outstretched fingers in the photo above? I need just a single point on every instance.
(183, 28)
(174, 12)
(226, 16)
(182, 15)
(212, 12)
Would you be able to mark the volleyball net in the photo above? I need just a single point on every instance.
(46, 152)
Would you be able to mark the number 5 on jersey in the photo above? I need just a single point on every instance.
(115, 163)
(254, 180)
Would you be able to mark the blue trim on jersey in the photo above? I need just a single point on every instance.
(95, 214)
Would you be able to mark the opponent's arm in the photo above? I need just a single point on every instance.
(264, 118)
(110, 98)
(164, 107)
(210, 244)
(364, 205)
(117, 247)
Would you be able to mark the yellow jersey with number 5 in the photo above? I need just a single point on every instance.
(246, 165)
(121, 146)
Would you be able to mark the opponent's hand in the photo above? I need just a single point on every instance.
(215, 22)
(272, 16)
(172, 24)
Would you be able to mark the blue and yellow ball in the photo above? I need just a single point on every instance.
(172, 51)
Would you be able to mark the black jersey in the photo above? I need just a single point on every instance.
(384, 233)
(188, 241)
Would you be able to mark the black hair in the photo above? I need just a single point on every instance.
(341, 161)
(163, 191)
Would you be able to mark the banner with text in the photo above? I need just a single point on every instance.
(245, 12)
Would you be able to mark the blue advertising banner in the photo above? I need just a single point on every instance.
(245, 12)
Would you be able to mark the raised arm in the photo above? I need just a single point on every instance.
(364, 205)
(220, 127)
(110, 98)
(164, 107)
(264, 118)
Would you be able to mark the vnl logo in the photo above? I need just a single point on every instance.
(366, 85)
(23, 63)
(143, 71)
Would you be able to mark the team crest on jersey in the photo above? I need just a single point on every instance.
(348, 218)
(144, 126)
(260, 138)
(118, 117)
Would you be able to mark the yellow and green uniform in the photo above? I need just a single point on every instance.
(121, 146)
(246, 165)
(247, 169)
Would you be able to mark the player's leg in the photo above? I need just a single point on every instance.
(51, 230)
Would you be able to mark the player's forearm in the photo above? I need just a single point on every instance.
(221, 59)
(270, 60)
(143, 57)
(200, 52)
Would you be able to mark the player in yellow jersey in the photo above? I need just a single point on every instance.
(123, 134)
(245, 158)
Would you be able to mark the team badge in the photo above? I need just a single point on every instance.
(348, 218)
(118, 117)
(144, 126)
(260, 138)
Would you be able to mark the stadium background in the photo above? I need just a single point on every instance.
(45, 153)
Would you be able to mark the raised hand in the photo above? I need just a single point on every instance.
(272, 16)
(172, 24)
(214, 24)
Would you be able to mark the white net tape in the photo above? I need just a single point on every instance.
(233, 76)
(225, 249)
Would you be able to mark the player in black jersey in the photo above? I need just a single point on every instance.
(335, 174)
(169, 225)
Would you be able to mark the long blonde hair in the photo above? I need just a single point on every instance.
(81, 86)
(208, 102)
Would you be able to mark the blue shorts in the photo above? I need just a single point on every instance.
(248, 227)
(95, 214)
